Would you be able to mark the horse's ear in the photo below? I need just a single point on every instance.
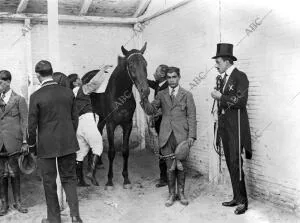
(144, 48)
(124, 51)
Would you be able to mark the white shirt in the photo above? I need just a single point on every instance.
(176, 90)
(75, 90)
(228, 72)
(48, 79)
(7, 96)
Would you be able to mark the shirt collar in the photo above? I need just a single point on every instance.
(229, 70)
(176, 90)
(7, 96)
(46, 80)
(161, 84)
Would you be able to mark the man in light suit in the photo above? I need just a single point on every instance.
(52, 112)
(178, 124)
(13, 127)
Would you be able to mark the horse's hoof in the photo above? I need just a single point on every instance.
(127, 186)
(94, 182)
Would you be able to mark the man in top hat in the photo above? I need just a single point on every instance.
(53, 115)
(160, 84)
(13, 125)
(178, 124)
(233, 122)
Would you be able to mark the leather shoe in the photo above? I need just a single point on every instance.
(231, 203)
(241, 208)
(76, 219)
(20, 209)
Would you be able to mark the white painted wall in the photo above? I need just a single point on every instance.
(12, 55)
(269, 55)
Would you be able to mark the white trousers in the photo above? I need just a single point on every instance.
(88, 136)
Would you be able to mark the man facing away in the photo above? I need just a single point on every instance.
(87, 133)
(233, 122)
(160, 84)
(52, 113)
(13, 127)
(178, 124)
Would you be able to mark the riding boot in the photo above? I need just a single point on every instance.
(180, 187)
(79, 172)
(171, 185)
(4, 195)
(92, 172)
(16, 187)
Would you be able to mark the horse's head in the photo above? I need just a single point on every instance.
(137, 69)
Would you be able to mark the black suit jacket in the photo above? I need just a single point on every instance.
(155, 86)
(235, 97)
(52, 114)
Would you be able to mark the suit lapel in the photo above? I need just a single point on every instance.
(229, 81)
(12, 100)
(167, 97)
(178, 97)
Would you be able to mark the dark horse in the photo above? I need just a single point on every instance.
(117, 104)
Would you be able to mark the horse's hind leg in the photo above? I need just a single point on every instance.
(127, 127)
(110, 128)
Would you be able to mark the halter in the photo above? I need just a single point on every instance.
(128, 71)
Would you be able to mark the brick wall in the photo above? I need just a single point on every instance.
(268, 53)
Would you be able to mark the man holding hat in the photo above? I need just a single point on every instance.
(178, 124)
(233, 122)
(53, 114)
(13, 125)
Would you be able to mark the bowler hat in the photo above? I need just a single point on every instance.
(182, 150)
(27, 163)
(225, 50)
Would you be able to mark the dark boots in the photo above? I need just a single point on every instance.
(4, 195)
(92, 172)
(180, 187)
(163, 180)
(16, 187)
(171, 184)
(79, 172)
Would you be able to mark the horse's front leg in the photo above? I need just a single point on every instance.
(110, 128)
(127, 127)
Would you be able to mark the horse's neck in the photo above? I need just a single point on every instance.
(120, 82)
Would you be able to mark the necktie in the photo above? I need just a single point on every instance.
(224, 82)
(2, 103)
(172, 95)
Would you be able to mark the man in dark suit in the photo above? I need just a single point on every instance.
(160, 84)
(233, 122)
(178, 124)
(13, 127)
(52, 113)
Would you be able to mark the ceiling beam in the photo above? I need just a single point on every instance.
(68, 18)
(142, 8)
(142, 19)
(22, 6)
(85, 6)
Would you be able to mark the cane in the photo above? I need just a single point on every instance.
(239, 132)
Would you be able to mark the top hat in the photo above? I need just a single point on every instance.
(27, 163)
(224, 50)
(182, 150)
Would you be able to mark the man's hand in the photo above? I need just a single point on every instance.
(24, 148)
(216, 95)
(190, 141)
